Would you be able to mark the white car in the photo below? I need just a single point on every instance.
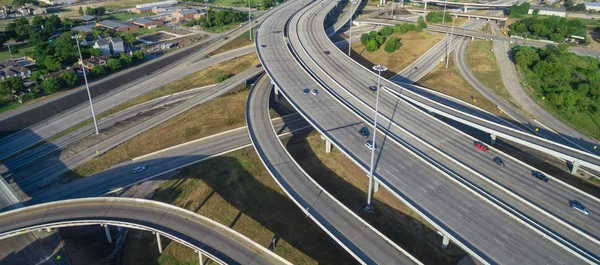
(314, 92)
(369, 144)
(139, 169)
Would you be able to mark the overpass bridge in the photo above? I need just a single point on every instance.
(464, 5)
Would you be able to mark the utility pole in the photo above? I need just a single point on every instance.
(450, 45)
(369, 208)
(9, 50)
(444, 20)
(249, 20)
(76, 37)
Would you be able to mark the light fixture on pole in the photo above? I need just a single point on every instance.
(449, 45)
(76, 38)
(350, 39)
(443, 21)
(249, 20)
(369, 208)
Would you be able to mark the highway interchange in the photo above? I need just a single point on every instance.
(498, 215)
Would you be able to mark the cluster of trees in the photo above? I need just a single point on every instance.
(438, 16)
(40, 29)
(516, 10)
(572, 6)
(218, 18)
(569, 82)
(553, 28)
(100, 11)
(373, 40)
(268, 4)
(23, 2)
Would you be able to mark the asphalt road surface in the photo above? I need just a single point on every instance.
(346, 228)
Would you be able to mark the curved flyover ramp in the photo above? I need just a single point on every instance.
(212, 239)
(360, 239)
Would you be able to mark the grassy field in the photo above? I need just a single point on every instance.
(237, 3)
(19, 50)
(414, 44)
(8, 103)
(482, 62)
(237, 191)
(123, 16)
(204, 77)
(449, 82)
(217, 115)
(241, 41)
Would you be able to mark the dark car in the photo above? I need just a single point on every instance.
(264, 45)
(498, 161)
(225, 38)
(540, 176)
(327, 52)
(364, 132)
(306, 91)
(373, 88)
(577, 206)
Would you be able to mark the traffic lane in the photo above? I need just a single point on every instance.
(490, 206)
(425, 123)
(57, 123)
(181, 226)
(158, 163)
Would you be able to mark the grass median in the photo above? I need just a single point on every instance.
(449, 82)
(238, 192)
(239, 42)
(482, 62)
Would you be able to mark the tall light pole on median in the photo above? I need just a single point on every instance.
(350, 39)
(443, 21)
(249, 20)
(449, 45)
(76, 37)
(369, 208)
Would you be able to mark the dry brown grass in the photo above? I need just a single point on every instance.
(482, 62)
(449, 82)
(414, 44)
(204, 77)
(241, 41)
(217, 115)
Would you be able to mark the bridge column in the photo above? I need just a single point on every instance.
(327, 144)
(48, 229)
(466, 9)
(108, 237)
(574, 166)
(493, 139)
(445, 242)
(376, 187)
(158, 242)
(200, 258)
(425, 6)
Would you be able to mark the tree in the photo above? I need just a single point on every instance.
(80, 11)
(392, 45)
(97, 32)
(50, 85)
(536, 12)
(138, 55)
(125, 59)
(10, 86)
(129, 38)
(69, 78)
(372, 45)
(68, 23)
(100, 11)
(386, 31)
(89, 10)
(38, 21)
(91, 51)
(37, 74)
(98, 70)
(421, 22)
(52, 64)
(24, 2)
(364, 38)
(526, 56)
(114, 64)
(222, 77)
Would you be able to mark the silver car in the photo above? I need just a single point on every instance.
(577, 206)
(139, 169)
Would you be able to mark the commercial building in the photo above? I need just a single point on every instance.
(592, 6)
(116, 25)
(147, 23)
(549, 11)
(183, 15)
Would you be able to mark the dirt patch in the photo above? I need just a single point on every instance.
(156, 37)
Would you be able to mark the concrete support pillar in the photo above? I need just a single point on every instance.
(574, 166)
(200, 258)
(158, 243)
(466, 9)
(376, 186)
(445, 242)
(276, 93)
(425, 6)
(48, 229)
(108, 237)
(493, 139)
(327, 146)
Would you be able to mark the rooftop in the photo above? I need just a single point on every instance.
(143, 20)
(87, 17)
(112, 24)
(592, 4)
(188, 11)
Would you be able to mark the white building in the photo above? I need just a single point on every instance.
(549, 11)
(157, 4)
(592, 6)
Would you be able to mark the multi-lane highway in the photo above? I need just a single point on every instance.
(220, 243)
(486, 250)
(357, 237)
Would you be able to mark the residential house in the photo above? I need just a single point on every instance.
(103, 46)
(84, 28)
(11, 68)
(549, 11)
(141, 10)
(147, 23)
(38, 10)
(93, 61)
(592, 6)
(184, 15)
(110, 46)
(116, 25)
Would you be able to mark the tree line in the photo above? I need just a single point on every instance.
(438, 16)
(516, 10)
(552, 28)
(218, 18)
(375, 39)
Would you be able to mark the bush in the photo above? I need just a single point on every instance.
(222, 77)
(50, 85)
(114, 64)
(386, 31)
(438, 16)
(68, 78)
(421, 22)
(372, 45)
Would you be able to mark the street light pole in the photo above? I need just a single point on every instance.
(76, 37)
(443, 21)
(350, 39)
(369, 208)
(449, 45)
(249, 20)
